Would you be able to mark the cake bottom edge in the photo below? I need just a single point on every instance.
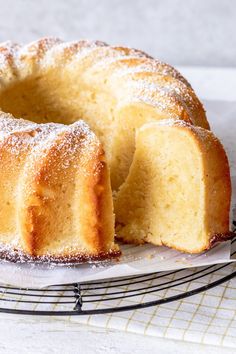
(215, 240)
(18, 256)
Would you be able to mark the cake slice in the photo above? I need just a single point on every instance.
(178, 189)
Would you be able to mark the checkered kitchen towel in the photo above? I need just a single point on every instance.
(208, 317)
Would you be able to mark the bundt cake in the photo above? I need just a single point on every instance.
(114, 89)
(178, 189)
(57, 201)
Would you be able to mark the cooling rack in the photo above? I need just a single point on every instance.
(114, 295)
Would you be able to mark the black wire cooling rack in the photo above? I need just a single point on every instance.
(120, 294)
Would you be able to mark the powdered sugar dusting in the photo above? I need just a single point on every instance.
(165, 99)
(65, 52)
(41, 136)
(37, 49)
(8, 52)
(203, 134)
(67, 140)
(137, 62)
(166, 122)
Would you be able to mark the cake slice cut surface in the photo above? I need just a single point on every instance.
(178, 189)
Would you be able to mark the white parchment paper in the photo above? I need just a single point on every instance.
(138, 259)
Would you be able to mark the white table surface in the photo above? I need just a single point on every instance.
(31, 335)
(22, 334)
(193, 33)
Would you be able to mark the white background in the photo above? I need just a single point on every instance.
(182, 32)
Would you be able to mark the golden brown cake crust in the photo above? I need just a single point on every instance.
(56, 193)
